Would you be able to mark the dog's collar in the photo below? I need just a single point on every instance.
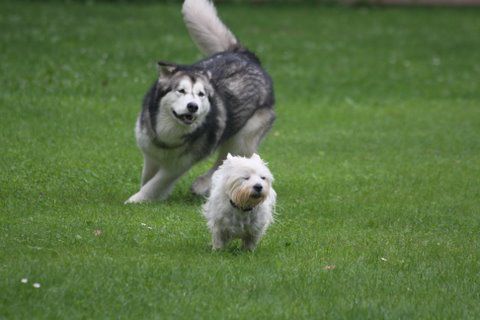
(239, 208)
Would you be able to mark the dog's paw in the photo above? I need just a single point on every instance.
(137, 198)
(201, 186)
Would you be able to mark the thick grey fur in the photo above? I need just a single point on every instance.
(238, 90)
(240, 87)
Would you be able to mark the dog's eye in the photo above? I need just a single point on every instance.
(201, 94)
(182, 91)
(263, 178)
(246, 178)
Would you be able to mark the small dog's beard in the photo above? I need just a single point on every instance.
(243, 197)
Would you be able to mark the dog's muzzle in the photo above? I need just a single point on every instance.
(187, 118)
(257, 191)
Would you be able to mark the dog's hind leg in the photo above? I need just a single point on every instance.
(246, 141)
(201, 185)
(243, 143)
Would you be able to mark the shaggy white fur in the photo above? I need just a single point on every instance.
(241, 202)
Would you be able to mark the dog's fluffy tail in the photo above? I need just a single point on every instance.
(205, 27)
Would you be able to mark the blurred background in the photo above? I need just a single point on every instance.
(324, 2)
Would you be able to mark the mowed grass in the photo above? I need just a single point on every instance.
(376, 154)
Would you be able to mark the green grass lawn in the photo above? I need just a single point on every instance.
(376, 154)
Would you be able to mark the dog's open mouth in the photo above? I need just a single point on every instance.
(186, 118)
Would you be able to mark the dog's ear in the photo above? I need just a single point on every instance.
(229, 156)
(255, 157)
(166, 69)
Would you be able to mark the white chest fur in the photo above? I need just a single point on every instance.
(175, 159)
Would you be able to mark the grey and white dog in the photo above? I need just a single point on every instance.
(222, 102)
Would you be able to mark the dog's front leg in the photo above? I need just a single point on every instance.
(157, 188)
(220, 238)
(250, 241)
(150, 168)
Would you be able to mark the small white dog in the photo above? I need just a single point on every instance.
(241, 202)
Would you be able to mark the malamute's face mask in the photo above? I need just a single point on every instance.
(188, 92)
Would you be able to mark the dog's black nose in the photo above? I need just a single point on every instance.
(258, 187)
(192, 107)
